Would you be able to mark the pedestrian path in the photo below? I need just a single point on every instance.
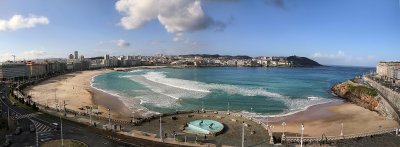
(40, 127)
(18, 116)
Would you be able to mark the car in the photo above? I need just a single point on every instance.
(13, 103)
(18, 131)
(55, 126)
(32, 128)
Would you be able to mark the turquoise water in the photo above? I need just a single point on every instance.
(203, 126)
(257, 90)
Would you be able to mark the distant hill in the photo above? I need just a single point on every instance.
(302, 61)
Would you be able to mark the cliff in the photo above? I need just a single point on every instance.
(302, 61)
(358, 94)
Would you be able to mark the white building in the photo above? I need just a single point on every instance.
(12, 70)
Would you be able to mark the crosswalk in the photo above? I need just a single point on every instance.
(40, 127)
(16, 117)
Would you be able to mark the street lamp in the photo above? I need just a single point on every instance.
(302, 131)
(341, 131)
(283, 125)
(243, 134)
(109, 118)
(90, 115)
(133, 116)
(161, 137)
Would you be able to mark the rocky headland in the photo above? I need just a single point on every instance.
(361, 95)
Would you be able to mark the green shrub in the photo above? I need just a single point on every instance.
(363, 90)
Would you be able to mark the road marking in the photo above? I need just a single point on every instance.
(41, 128)
(18, 116)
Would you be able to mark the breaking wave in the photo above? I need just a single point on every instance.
(166, 92)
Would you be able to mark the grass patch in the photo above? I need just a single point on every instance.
(364, 90)
(67, 143)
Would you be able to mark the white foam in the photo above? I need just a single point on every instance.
(128, 102)
(159, 77)
(165, 92)
(137, 70)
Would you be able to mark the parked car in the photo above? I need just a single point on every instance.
(55, 126)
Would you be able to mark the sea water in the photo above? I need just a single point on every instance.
(261, 91)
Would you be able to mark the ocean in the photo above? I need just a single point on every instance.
(257, 91)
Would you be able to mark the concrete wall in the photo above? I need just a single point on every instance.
(392, 96)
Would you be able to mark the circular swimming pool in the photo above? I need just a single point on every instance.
(206, 127)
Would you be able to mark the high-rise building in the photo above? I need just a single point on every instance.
(82, 58)
(106, 57)
(71, 56)
(76, 55)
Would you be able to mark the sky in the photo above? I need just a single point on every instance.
(332, 32)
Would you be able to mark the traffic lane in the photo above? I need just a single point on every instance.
(25, 138)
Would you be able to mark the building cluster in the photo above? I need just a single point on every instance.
(389, 71)
(241, 61)
(36, 68)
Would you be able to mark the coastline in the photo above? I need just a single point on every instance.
(75, 88)
(325, 118)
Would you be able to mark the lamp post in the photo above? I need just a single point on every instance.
(341, 131)
(62, 139)
(243, 134)
(161, 137)
(109, 118)
(90, 115)
(302, 131)
(133, 116)
(283, 125)
(228, 109)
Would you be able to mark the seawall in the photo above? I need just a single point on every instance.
(392, 98)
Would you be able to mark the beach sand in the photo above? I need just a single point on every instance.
(327, 118)
(319, 119)
(75, 89)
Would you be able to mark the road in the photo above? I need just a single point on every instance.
(25, 117)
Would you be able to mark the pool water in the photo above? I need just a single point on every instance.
(206, 127)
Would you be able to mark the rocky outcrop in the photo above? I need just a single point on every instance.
(358, 94)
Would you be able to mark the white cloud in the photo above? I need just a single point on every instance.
(20, 22)
(120, 43)
(177, 16)
(339, 54)
(35, 53)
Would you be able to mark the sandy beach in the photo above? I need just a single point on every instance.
(327, 118)
(75, 89)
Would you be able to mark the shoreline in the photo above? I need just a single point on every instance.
(75, 89)
(324, 118)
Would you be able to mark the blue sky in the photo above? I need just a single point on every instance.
(333, 32)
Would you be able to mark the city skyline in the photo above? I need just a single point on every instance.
(361, 33)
